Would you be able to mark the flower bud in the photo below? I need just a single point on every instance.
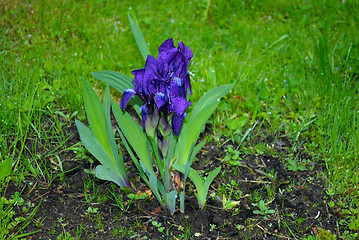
(164, 147)
(154, 118)
(150, 129)
(165, 127)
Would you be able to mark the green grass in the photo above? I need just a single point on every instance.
(295, 65)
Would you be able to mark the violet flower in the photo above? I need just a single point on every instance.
(163, 84)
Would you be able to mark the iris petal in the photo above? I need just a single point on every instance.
(186, 51)
(150, 76)
(126, 96)
(177, 88)
(138, 81)
(177, 122)
(144, 113)
(151, 62)
(161, 100)
(166, 45)
(165, 60)
(179, 105)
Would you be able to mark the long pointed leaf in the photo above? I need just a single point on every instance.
(187, 168)
(208, 182)
(118, 158)
(171, 149)
(171, 201)
(120, 82)
(89, 140)
(134, 159)
(142, 169)
(140, 40)
(211, 97)
(202, 111)
(117, 80)
(91, 143)
(192, 174)
(107, 174)
(201, 186)
(196, 149)
(154, 187)
(96, 117)
(190, 134)
(210, 178)
(134, 135)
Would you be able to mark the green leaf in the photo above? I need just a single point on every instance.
(140, 40)
(5, 168)
(202, 187)
(155, 186)
(242, 121)
(91, 143)
(192, 174)
(209, 180)
(118, 158)
(262, 205)
(169, 198)
(172, 145)
(117, 80)
(171, 201)
(228, 204)
(187, 169)
(213, 96)
(134, 135)
(202, 111)
(195, 178)
(134, 159)
(256, 211)
(190, 133)
(196, 149)
(246, 134)
(101, 138)
(96, 117)
(302, 167)
(120, 82)
(107, 174)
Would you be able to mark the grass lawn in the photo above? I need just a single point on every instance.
(295, 68)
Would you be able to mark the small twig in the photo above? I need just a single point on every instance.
(271, 200)
(33, 187)
(253, 181)
(213, 207)
(248, 168)
(40, 196)
(265, 231)
(148, 217)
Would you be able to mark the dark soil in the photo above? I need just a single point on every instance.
(298, 198)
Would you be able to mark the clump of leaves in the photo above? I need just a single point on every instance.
(262, 209)
(232, 157)
(295, 165)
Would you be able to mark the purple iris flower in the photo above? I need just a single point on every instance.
(163, 84)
